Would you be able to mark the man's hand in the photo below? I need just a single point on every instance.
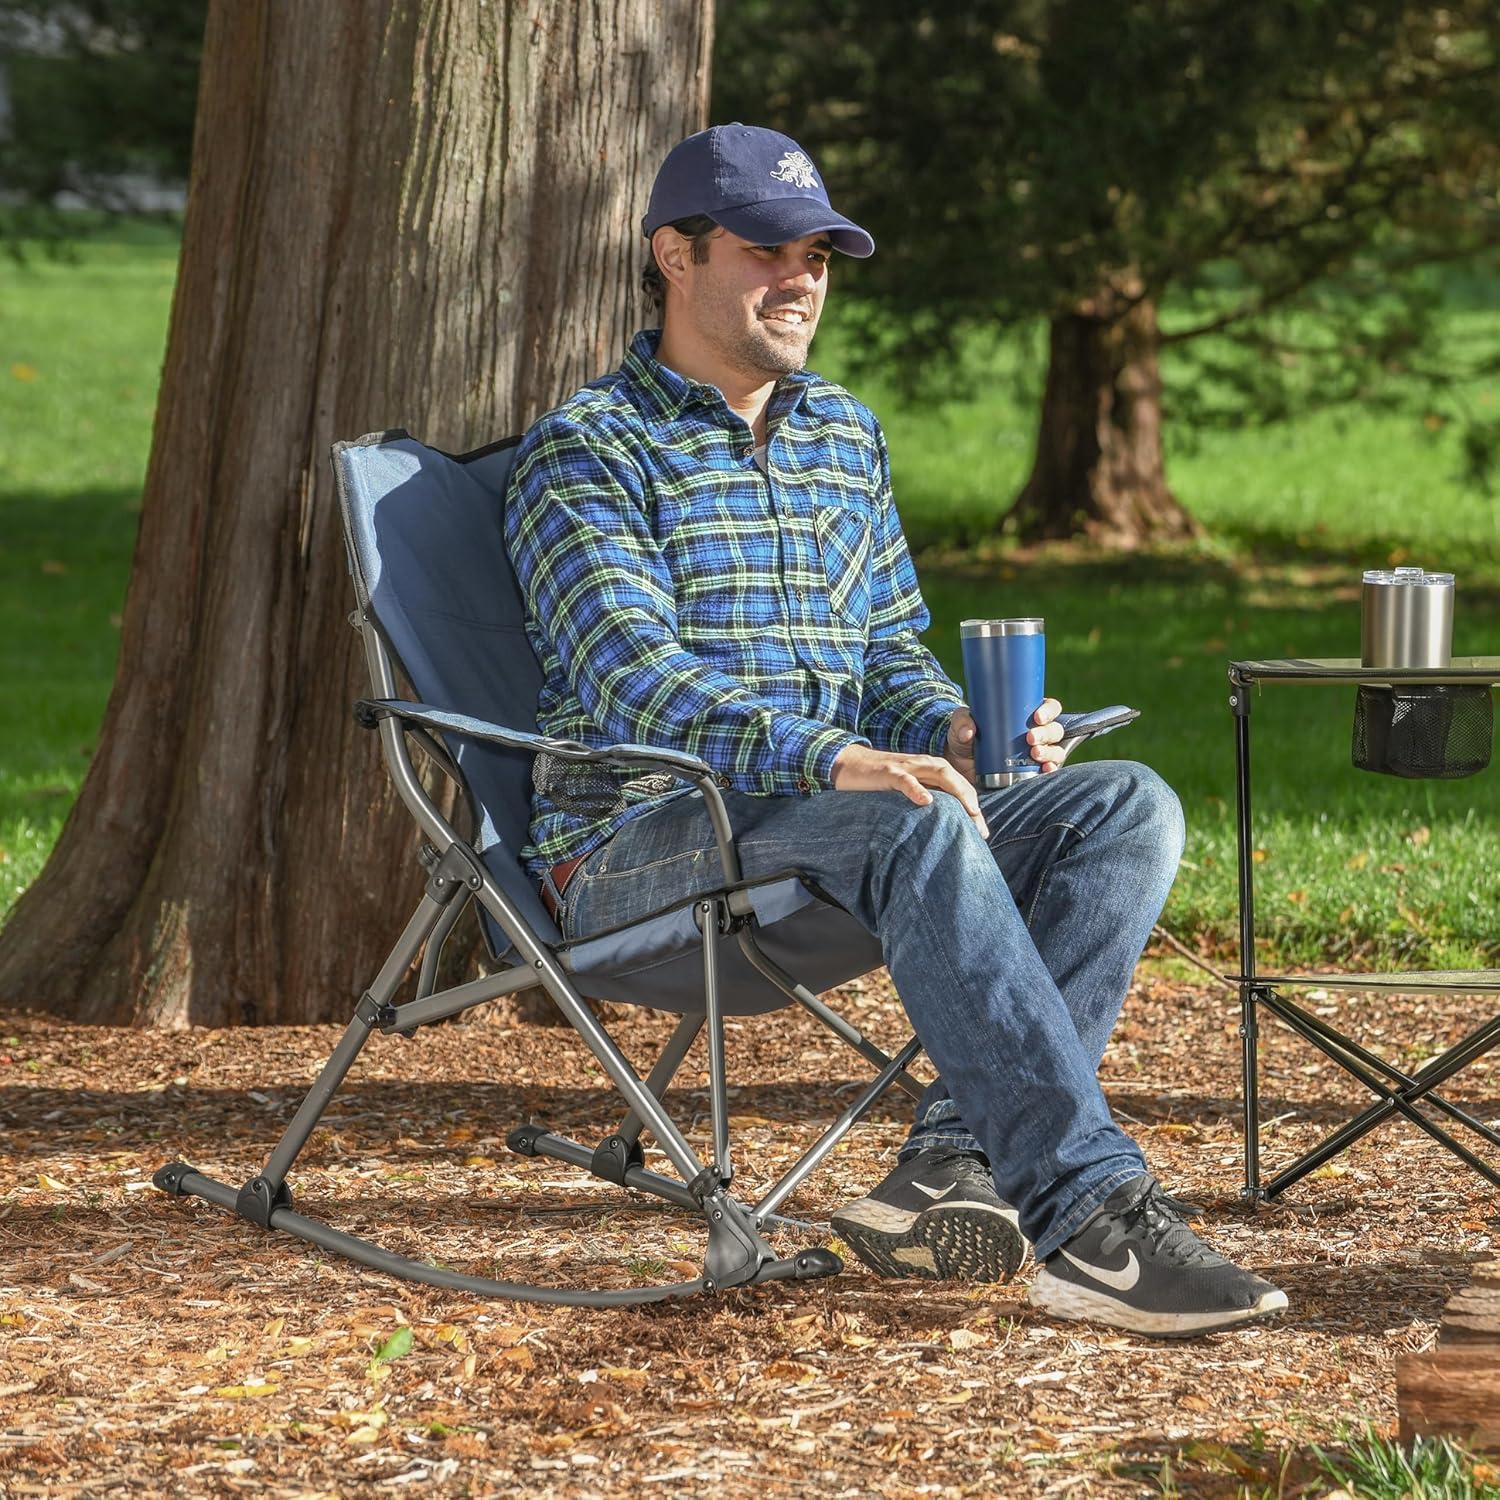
(858, 768)
(1044, 740)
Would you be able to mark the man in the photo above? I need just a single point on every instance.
(712, 561)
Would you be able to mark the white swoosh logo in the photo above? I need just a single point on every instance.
(1121, 1280)
(922, 1187)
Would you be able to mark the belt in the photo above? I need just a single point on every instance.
(561, 875)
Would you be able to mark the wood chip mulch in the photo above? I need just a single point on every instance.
(162, 1347)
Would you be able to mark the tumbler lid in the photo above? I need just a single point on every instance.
(1404, 576)
(1031, 625)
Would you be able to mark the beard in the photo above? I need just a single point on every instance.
(763, 349)
(772, 349)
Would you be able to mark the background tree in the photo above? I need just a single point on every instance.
(1083, 160)
(399, 214)
(98, 100)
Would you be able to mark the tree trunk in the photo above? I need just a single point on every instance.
(401, 214)
(1098, 469)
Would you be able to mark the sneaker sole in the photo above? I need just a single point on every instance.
(1065, 1299)
(955, 1241)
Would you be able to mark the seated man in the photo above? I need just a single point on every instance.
(712, 561)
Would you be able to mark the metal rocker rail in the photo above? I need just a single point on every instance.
(736, 1253)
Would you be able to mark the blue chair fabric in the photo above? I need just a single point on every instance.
(426, 548)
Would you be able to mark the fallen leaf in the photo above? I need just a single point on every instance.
(395, 1346)
(51, 1183)
(236, 1391)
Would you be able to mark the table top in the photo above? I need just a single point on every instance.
(1473, 670)
(1413, 982)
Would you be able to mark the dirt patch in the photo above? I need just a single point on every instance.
(163, 1347)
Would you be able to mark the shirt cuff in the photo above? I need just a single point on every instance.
(810, 750)
(929, 734)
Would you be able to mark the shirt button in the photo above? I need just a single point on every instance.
(722, 780)
(803, 784)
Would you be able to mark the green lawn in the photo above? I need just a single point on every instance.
(1356, 869)
(80, 358)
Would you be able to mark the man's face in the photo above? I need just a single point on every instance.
(757, 306)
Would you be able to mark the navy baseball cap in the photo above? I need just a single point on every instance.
(756, 183)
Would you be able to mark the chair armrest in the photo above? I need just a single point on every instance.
(370, 711)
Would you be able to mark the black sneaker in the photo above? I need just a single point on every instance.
(1137, 1265)
(936, 1216)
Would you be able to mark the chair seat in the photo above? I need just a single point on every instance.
(659, 962)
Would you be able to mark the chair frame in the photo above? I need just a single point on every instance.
(736, 1254)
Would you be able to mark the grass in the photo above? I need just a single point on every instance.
(1354, 869)
(83, 341)
(1365, 1464)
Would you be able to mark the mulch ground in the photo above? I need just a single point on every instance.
(163, 1347)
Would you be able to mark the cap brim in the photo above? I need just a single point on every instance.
(777, 220)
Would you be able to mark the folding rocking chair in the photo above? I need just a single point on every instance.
(438, 599)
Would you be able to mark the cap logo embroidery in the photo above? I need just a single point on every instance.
(796, 169)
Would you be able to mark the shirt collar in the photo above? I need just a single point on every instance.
(665, 393)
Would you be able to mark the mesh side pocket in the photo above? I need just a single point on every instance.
(588, 789)
(1424, 733)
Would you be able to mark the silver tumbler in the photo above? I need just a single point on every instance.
(1407, 618)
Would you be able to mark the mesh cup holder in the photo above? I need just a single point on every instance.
(1425, 733)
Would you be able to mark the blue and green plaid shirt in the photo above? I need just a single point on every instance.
(678, 595)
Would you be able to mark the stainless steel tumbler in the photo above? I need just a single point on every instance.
(1407, 618)
(1005, 668)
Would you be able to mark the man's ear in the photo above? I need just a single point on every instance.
(673, 252)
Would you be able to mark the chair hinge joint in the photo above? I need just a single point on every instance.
(260, 1198)
(455, 871)
(705, 1185)
(614, 1156)
(373, 1013)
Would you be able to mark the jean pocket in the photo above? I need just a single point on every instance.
(844, 541)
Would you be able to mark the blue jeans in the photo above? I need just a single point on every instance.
(1012, 959)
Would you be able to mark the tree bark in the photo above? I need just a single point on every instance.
(1098, 470)
(417, 213)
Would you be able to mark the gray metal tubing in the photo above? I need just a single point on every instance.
(560, 1148)
(683, 1036)
(462, 997)
(718, 1092)
(393, 744)
(611, 1059)
(315, 1232)
(793, 1179)
(305, 1121)
(548, 972)
(356, 1034)
(433, 952)
(830, 1018)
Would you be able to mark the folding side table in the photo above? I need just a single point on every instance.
(1396, 1092)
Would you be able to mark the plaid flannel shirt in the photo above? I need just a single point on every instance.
(677, 595)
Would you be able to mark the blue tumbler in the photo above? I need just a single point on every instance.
(1005, 668)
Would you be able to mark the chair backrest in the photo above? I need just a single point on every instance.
(427, 551)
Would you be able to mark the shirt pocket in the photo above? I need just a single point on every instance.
(844, 541)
